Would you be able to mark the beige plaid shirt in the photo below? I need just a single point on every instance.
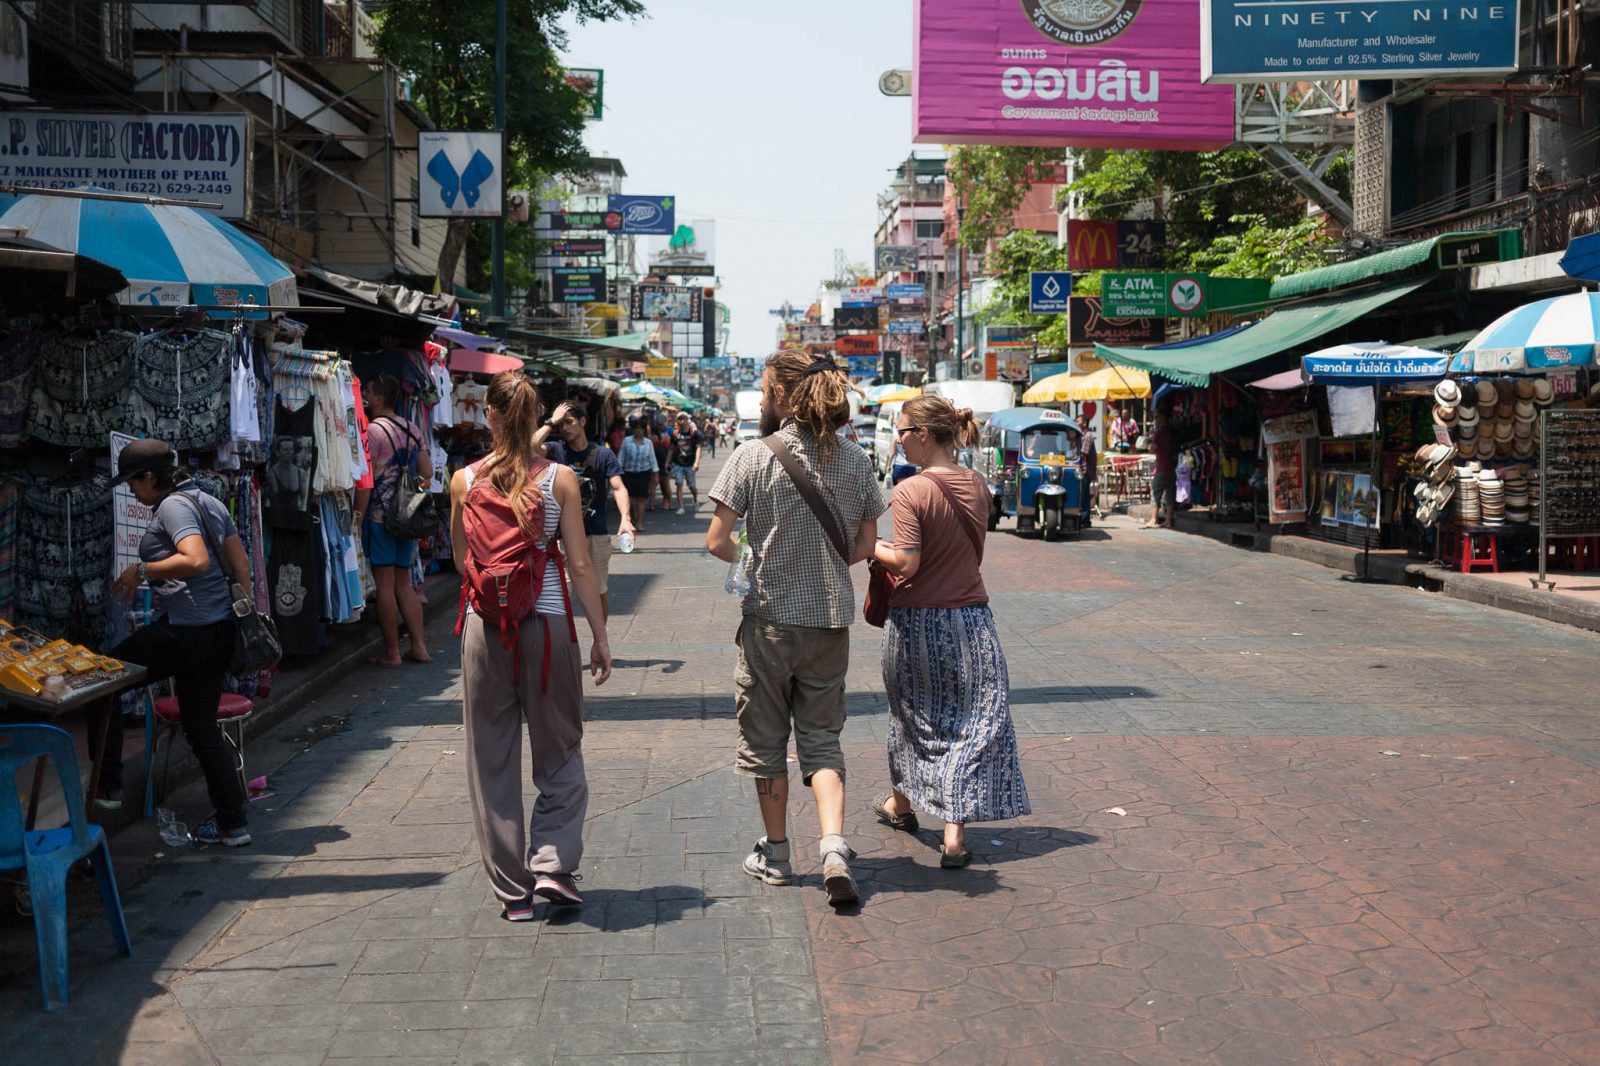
(798, 578)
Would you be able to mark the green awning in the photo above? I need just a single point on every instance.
(1447, 250)
(1280, 331)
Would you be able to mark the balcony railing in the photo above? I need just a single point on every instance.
(1549, 217)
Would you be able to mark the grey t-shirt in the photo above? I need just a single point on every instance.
(194, 601)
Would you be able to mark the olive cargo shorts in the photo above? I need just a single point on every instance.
(789, 674)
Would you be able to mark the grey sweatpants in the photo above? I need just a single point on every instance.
(495, 710)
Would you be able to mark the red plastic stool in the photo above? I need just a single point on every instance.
(232, 710)
(1471, 560)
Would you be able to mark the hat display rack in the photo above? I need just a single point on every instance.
(1569, 484)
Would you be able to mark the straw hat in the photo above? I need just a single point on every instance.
(1502, 431)
(1486, 393)
(1485, 410)
(1524, 411)
(1467, 431)
(1523, 388)
(1521, 430)
(1504, 409)
(1525, 448)
(1466, 416)
(1504, 390)
(1447, 393)
(1443, 416)
(1542, 392)
(1485, 447)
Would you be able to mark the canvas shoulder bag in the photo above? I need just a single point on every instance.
(813, 497)
(411, 512)
(255, 638)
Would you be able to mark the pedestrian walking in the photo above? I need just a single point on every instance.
(639, 473)
(708, 431)
(952, 745)
(191, 641)
(1088, 468)
(686, 441)
(516, 523)
(1124, 430)
(810, 507)
(1164, 480)
(662, 436)
(599, 482)
(396, 448)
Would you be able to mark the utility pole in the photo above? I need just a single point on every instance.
(961, 285)
(497, 297)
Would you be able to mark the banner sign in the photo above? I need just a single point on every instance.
(461, 173)
(1007, 362)
(895, 258)
(810, 334)
(672, 303)
(716, 362)
(129, 517)
(1286, 480)
(863, 365)
(581, 220)
(857, 344)
(1087, 324)
(906, 292)
(690, 253)
(1101, 74)
(592, 84)
(860, 295)
(1091, 245)
(661, 370)
(855, 318)
(1141, 245)
(1049, 291)
(1251, 40)
(1039, 371)
(1298, 426)
(183, 156)
(578, 285)
(579, 246)
(643, 214)
(912, 326)
(1339, 369)
(1161, 295)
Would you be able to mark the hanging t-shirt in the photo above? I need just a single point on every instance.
(242, 395)
(363, 462)
(468, 402)
(291, 465)
(444, 410)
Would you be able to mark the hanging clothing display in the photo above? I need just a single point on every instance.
(243, 404)
(19, 358)
(293, 461)
(81, 391)
(470, 403)
(64, 540)
(181, 388)
(295, 575)
(443, 413)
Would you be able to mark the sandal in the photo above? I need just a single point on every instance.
(954, 860)
(906, 822)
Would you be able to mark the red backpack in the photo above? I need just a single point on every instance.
(503, 573)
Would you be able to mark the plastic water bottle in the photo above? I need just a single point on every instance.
(173, 832)
(737, 582)
(625, 544)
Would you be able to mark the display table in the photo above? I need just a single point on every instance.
(32, 708)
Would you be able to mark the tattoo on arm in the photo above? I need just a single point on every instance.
(764, 786)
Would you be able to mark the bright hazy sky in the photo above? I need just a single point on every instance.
(766, 117)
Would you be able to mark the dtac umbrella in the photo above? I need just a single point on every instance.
(892, 393)
(1582, 257)
(1561, 331)
(170, 255)
(642, 390)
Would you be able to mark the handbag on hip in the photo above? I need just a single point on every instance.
(881, 583)
(255, 637)
(412, 512)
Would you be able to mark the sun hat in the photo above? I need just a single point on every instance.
(1485, 448)
(1525, 411)
(1486, 393)
(1521, 430)
(1443, 416)
(1485, 410)
(1467, 414)
(1542, 391)
(1448, 393)
(1505, 409)
(1525, 448)
(1466, 431)
(1504, 390)
(1502, 431)
(1523, 388)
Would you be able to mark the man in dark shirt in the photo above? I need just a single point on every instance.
(599, 482)
(1164, 485)
(686, 442)
(1088, 466)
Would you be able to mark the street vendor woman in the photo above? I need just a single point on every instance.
(192, 639)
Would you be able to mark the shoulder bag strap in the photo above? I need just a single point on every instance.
(813, 498)
(968, 523)
(211, 540)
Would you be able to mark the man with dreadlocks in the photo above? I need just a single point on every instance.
(810, 507)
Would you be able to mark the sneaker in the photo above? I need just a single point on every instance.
(836, 878)
(520, 911)
(108, 799)
(680, 511)
(558, 889)
(770, 863)
(212, 833)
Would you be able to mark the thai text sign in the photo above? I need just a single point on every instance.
(1088, 324)
(907, 291)
(661, 370)
(1133, 295)
(182, 156)
(1248, 40)
(1107, 74)
(859, 344)
(909, 326)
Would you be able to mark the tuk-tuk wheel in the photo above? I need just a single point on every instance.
(1025, 526)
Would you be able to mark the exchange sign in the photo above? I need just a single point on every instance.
(1133, 295)
(1252, 40)
(1087, 324)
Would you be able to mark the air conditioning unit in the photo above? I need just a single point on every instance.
(975, 367)
(517, 205)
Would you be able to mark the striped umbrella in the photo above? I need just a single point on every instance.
(170, 255)
(1559, 332)
(642, 390)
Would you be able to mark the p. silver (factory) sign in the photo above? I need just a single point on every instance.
(178, 156)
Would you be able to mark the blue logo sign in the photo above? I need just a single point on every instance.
(1248, 40)
(906, 292)
(468, 184)
(645, 214)
(716, 362)
(1049, 292)
(907, 325)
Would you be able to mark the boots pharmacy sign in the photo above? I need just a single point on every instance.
(462, 173)
(1080, 73)
(203, 157)
(1251, 40)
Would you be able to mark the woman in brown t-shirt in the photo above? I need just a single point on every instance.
(952, 746)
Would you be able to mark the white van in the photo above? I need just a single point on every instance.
(884, 438)
(984, 397)
(747, 403)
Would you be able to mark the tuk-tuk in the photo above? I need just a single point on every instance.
(1029, 457)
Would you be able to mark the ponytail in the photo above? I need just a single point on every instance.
(816, 394)
(513, 457)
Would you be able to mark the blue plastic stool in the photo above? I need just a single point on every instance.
(49, 854)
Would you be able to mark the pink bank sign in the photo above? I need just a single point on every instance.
(1080, 73)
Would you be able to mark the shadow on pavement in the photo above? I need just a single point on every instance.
(615, 910)
(668, 666)
(598, 708)
(992, 847)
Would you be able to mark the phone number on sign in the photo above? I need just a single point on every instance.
(153, 188)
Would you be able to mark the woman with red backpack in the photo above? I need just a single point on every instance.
(516, 523)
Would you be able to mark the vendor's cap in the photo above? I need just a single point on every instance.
(142, 456)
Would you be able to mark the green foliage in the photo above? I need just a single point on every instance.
(993, 180)
(1252, 248)
(446, 46)
(1014, 258)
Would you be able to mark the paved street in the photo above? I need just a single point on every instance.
(1278, 818)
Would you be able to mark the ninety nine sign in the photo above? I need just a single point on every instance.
(1249, 40)
(1049, 291)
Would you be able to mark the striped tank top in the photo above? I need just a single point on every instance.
(551, 600)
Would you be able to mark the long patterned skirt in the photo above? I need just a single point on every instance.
(952, 746)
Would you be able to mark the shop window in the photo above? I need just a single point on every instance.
(929, 229)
